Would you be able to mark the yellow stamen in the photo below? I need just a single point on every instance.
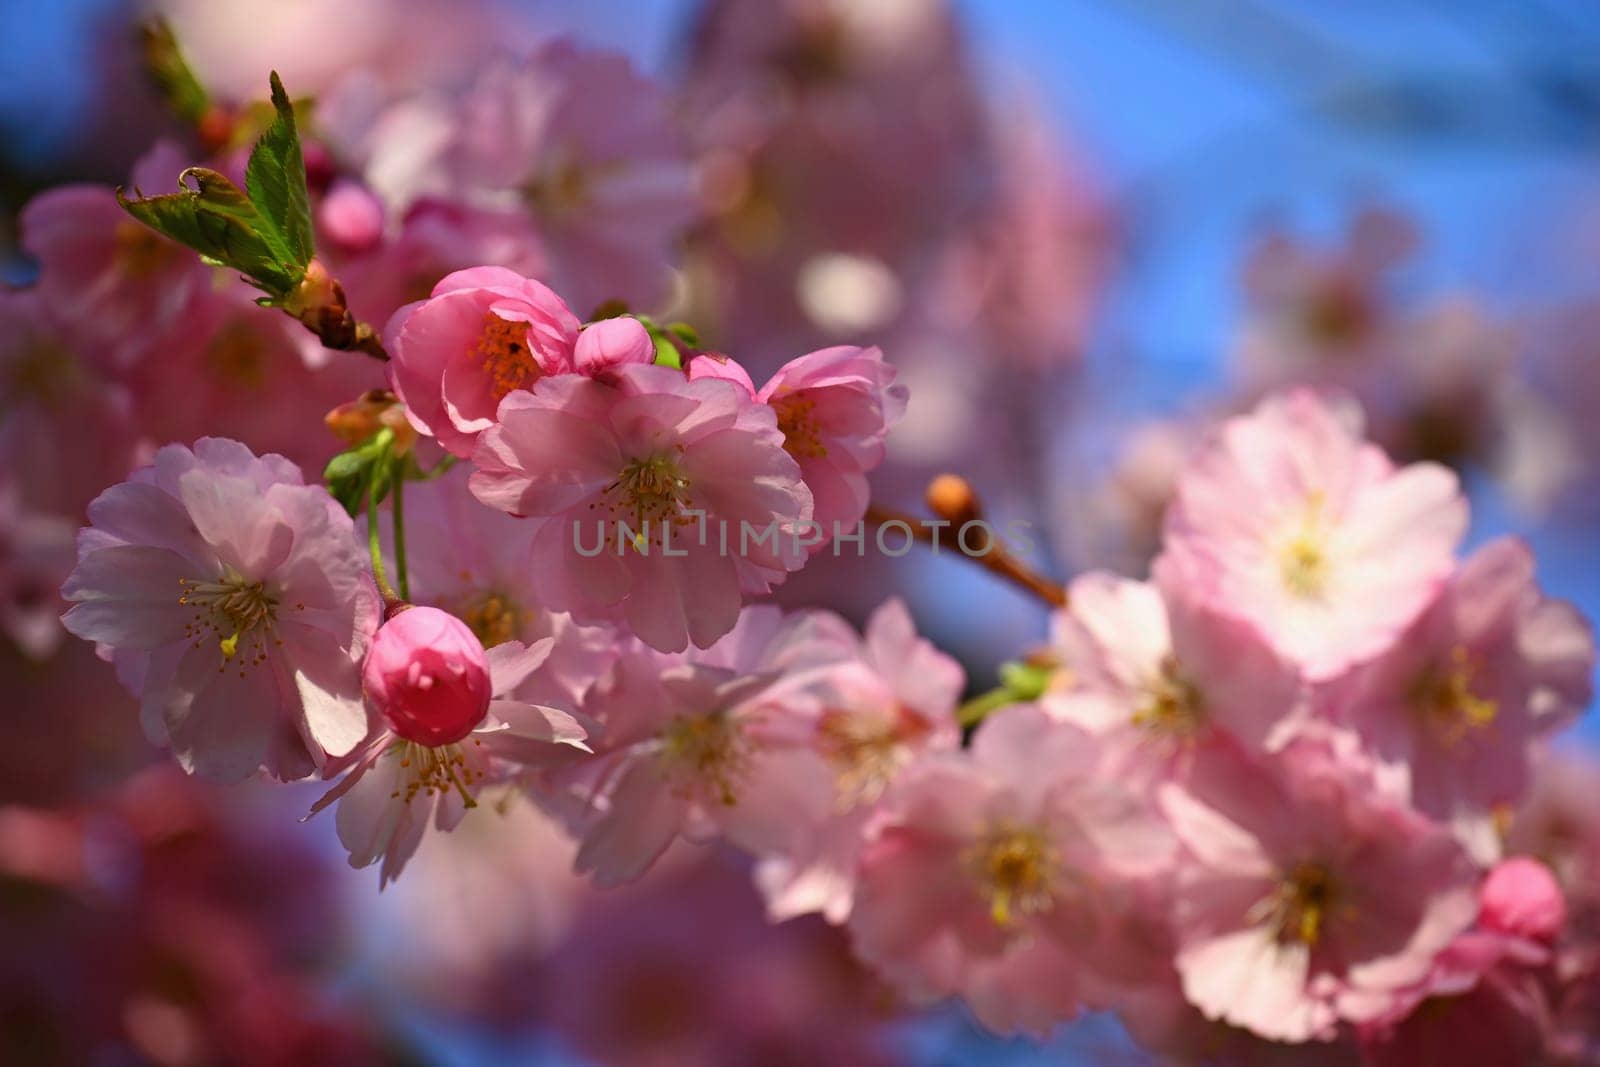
(1446, 700)
(1016, 869)
(1173, 706)
(707, 754)
(240, 615)
(866, 749)
(1303, 559)
(434, 772)
(1302, 906)
(493, 617)
(650, 491)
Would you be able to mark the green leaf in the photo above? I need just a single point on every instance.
(217, 220)
(275, 181)
(262, 231)
(351, 473)
(171, 72)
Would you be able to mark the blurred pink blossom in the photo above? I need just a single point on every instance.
(236, 605)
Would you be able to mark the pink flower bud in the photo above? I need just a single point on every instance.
(428, 674)
(350, 216)
(1521, 897)
(611, 343)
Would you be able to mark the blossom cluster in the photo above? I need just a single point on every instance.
(1262, 796)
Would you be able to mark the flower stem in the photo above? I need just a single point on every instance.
(375, 548)
(399, 520)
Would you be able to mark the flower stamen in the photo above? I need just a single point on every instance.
(1016, 868)
(503, 350)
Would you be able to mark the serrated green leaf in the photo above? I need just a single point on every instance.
(171, 72)
(275, 181)
(217, 220)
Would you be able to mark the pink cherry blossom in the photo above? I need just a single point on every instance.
(1483, 1003)
(1027, 279)
(1304, 898)
(880, 700)
(427, 676)
(568, 146)
(835, 408)
(350, 216)
(408, 774)
(65, 426)
(696, 472)
(1559, 824)
(1290, 522)
(431, 240)
(122, 283)
(1321, 313)
(235, 603)
(1157, 675)
(681, 746)
(241, 371)
(684, 970)
(484, 332)
(832, 133)
(36, 555)
(473, 562)
(1453, 710)
(985, 875)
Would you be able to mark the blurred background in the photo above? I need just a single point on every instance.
(1082, 230)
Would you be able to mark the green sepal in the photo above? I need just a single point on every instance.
(667, 354)
(685, 333)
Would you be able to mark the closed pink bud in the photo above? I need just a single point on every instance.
(611, 343)
(350, 216)
(429, 677)
(1522, 897)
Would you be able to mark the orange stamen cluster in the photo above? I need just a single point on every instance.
(503, 350)
(797, 418)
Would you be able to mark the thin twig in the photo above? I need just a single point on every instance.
(996, 560)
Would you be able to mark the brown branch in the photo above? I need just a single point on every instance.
(991, 555)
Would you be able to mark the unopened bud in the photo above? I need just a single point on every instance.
(952, 498)
(215, 128)
(357, 420)
(350, 216)
(316, 295)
